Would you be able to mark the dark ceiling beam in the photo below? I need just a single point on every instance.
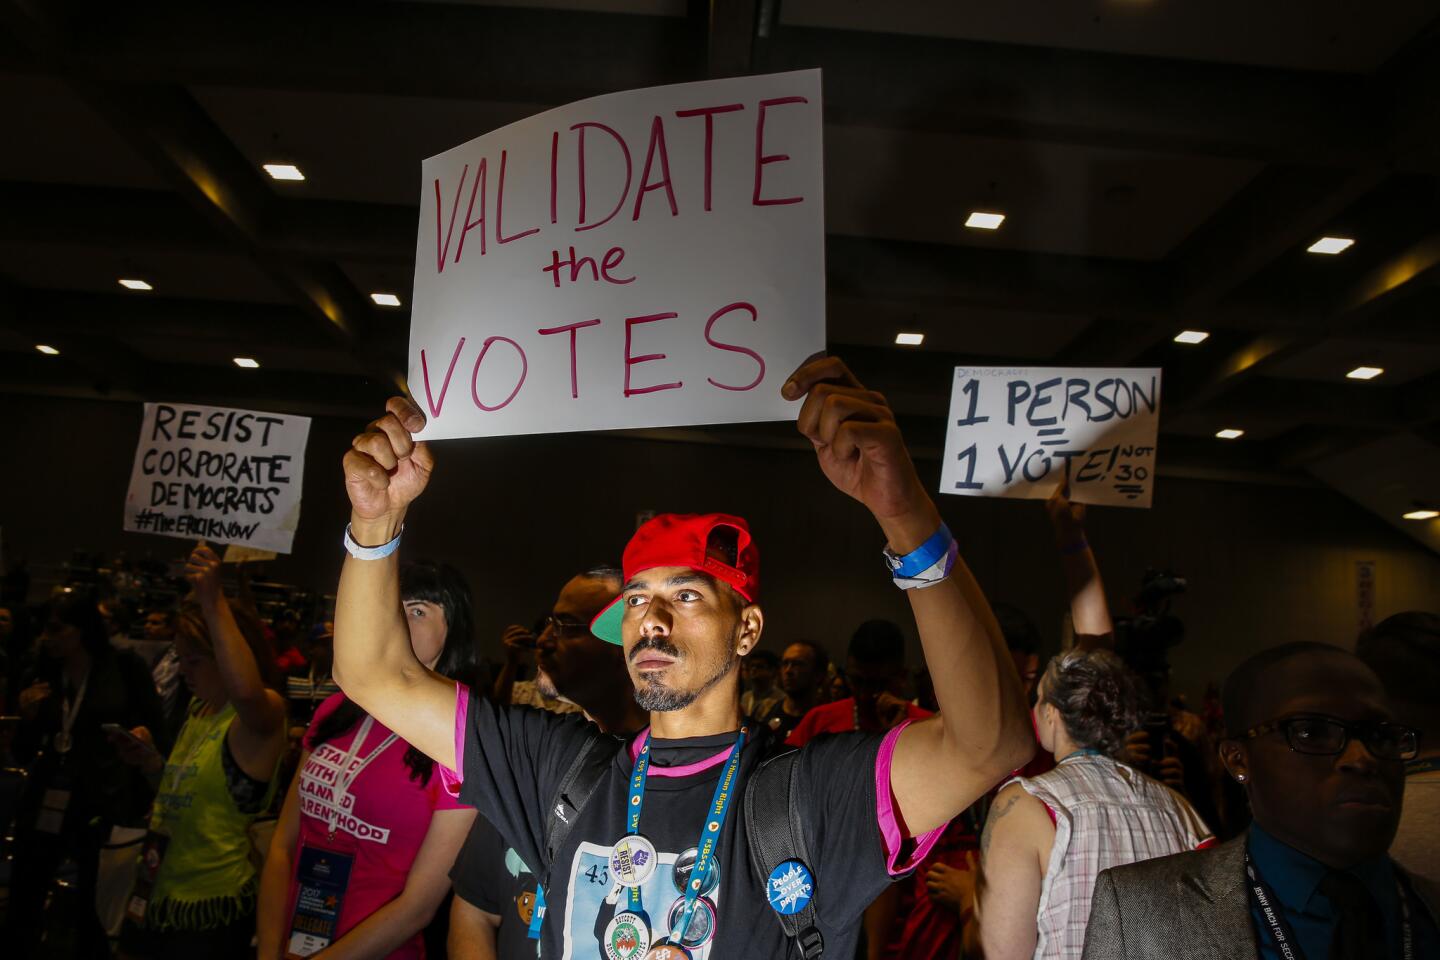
(100, 361)
(165, 126)
(1290, 203)
(451, 51)
(1404, 275)
(503, 54)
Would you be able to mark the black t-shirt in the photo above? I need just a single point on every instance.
(779, 723)
(514, 758)
(490, 875)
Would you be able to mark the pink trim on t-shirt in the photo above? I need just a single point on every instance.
(451, 779)
(689, 769)
(885, 812)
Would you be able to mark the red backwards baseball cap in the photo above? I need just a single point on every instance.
(686, 540)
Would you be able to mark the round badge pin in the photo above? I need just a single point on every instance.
(790, 888)
(61, 742)
(627, 936)
(685, 869)
(665, 950)
(702, 923)
(633, 860)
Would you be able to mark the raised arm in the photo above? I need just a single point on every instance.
(259, 710)
(1014, 852)
(385, 470)
(983, 732)
(1089, 611)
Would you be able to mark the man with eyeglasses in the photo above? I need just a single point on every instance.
(494, 911)
(1312, 740)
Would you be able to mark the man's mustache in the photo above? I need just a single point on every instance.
(658, 644)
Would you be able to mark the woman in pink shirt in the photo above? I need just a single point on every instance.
(361, 855)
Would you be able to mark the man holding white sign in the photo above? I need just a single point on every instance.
(628, 879)
(1017, 431)
(650, 258)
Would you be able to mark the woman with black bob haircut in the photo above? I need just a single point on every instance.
(367, 807)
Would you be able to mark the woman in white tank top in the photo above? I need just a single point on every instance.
(1048, 837)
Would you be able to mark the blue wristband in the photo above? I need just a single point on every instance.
(922, 557)
(371, 553)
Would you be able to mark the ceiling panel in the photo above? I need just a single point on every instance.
(53, 137)
(1297, 34)
(905, 185)
(172, 274)
(1330, 360)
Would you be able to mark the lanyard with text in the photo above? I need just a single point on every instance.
(1284, 936)
(346, 776)
(1427, 765)
(709, 835)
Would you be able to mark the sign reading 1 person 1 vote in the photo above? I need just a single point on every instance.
(1014, 431)
(649, 258)
(232, 476)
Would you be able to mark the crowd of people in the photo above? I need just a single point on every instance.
(646, 774)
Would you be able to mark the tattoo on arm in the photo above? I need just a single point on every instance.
(996, 813)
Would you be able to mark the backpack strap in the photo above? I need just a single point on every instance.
(773, 802)
(576, 787)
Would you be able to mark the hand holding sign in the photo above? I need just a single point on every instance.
(386, 469)
(1066, 519)
(859, 446)
(202, 569)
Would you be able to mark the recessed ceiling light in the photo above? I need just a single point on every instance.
(980, 220)
(135, 285)
(284, 171)
(1230, 433)
(1422, 515)
(1192, 336)
(385, 299)
(46, 349)
(247, 363)
(1331, 245)
(909, 339)
(1365, 373)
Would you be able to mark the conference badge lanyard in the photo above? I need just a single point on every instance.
(348, 776)
(633, 860)
(1284, 936)
(50, 818)
(63, 741)
(1427, 765)
(322, 874)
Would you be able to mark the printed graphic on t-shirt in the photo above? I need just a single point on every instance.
(594, 898)
(322, 797)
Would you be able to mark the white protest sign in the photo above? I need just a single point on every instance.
(232, 476)
(1014, 430)
(648, 258)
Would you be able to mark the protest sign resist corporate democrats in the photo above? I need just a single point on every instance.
(1014, 430)
(649, 258)
(232, 476)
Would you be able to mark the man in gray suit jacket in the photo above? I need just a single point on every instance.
(1312, 741)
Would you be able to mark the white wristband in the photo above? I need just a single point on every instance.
(371, 553)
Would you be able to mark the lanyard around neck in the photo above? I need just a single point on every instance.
(1284, 936)
(71, 708)
(346, 776)
(709, 834)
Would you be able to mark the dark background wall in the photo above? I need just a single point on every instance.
(1266, 564)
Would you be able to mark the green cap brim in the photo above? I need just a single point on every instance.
(606, 624)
